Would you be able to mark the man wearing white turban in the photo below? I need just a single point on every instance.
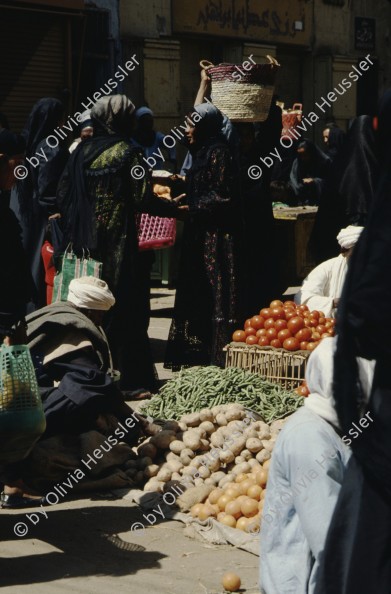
(71, 350)
(322, 288)
(305, 476)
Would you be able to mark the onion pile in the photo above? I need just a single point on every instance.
(286, 325)
(238, 504)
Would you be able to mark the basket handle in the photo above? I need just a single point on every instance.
(273, 61)
(298, 106)
(205, 64)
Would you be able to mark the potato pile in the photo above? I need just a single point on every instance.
(238, 504)
(212, 447)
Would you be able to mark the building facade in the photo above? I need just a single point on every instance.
(317, 43)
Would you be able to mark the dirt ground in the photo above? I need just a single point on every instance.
(81, 546)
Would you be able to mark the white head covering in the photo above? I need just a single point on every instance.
(89, 292)
(319, 377)
(143, 111)
(349, 236)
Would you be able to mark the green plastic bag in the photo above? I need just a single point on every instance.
(22, 419)
(72, 266)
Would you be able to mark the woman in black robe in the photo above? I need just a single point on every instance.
(308, 172)
(208, 299)
(33, 198)
(260, 259)
(357, 556)
(103, 187)
(335, 140)
(349, 189)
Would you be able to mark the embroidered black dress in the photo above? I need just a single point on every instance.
(208, 304)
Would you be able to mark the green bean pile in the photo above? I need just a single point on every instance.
(204, 387)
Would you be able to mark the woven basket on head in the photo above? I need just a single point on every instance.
(243, 96)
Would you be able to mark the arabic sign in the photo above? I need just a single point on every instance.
(264, 20)
(364, 33)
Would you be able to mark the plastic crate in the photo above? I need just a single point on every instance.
(155, 233)
(279, 366)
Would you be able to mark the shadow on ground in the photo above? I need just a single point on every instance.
(87, 539)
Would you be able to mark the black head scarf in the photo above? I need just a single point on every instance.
(316, 166)
(364, 326)
(336, 142)
(349, 189)
(42, 121)
(209, 129)
(111, 117)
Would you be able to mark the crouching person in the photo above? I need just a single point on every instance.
(305, 477)
(73, 364)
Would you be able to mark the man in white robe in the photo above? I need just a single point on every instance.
(305, 477)
(322, 288)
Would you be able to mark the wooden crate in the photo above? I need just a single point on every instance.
(276, 365)
(293, 227)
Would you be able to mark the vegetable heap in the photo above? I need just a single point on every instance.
(286, 325)
(199, 387)
(214, 447)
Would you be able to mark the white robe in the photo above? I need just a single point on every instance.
(323, 285)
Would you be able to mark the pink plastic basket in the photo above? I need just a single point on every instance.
(155, 233)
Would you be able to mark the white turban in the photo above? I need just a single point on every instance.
(349, 236)
(89, 292)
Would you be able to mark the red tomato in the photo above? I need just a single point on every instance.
(257, 322)
(303, 308)
(307, 323)
(239, 336)
(263, 341)
(313, 322)
(250, 331)
(261, 332)
(290, 304)
(278, 313)
(303, 345)
(265, 313)
(291, 344)
(295, 324)
(276, 343)
(328, 325)
(315, 336)
(280, 324)
(251, 339)
(331, 332)
(290, 314)
(276, 303)
(322, 321)
(320, 329)
(303, 334)
(321, 314)
(284, 334)
(312, 346)
(269, 323)
(325, 335)
(315, 314)
(271, 333)
(247, 323)
(302, 391)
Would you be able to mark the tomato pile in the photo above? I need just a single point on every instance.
(286, 325)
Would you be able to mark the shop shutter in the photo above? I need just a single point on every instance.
(33, 52)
